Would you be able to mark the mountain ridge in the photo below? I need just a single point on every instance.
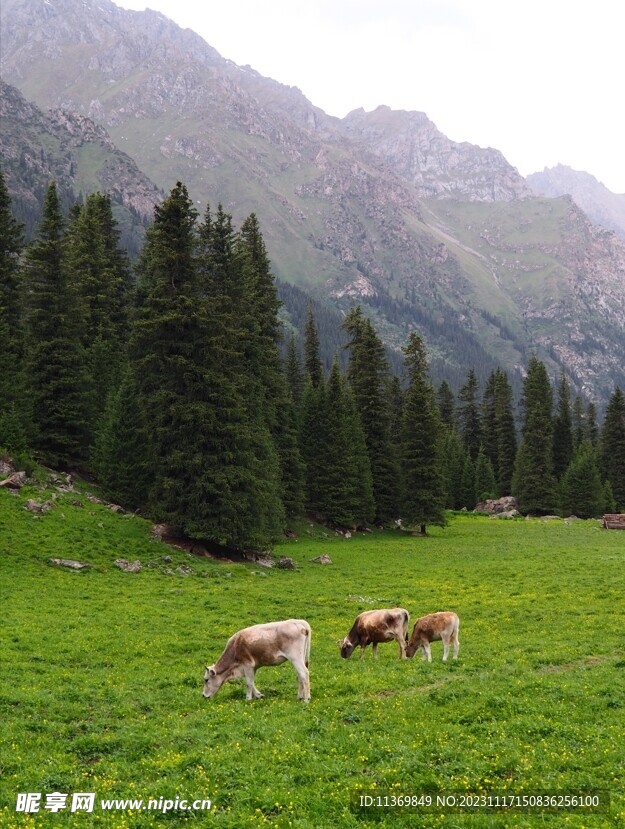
(378, 208)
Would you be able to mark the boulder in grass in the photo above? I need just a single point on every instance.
(286, 563)
(128, 566)
(322, 559)
(67, 562)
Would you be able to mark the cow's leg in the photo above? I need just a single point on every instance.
(303, 676)
(374, 648)
(252, 690)
(362, 651)
(445, 648)
(402, 647)
(456, 645)
(427, 653)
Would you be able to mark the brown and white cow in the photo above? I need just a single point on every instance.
(443, 625)
(257, 646)
(375, 626)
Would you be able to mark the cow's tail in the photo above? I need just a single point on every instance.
(308, 634)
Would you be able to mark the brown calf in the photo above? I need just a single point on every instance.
(443, 625)
(375, 626)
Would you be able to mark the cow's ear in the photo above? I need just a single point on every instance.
(211, 671)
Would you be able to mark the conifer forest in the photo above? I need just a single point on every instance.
(174, 382)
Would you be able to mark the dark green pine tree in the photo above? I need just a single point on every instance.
(485, 486)
(506, 433)
(293, 371)
(13, 414)
(99, 273)
(313, 436)
(533, 482)
(368, 378)
(581, 491)
(454, 455)
(446, 405)
(241, 340)
(363, 497)
(612, 447)
(488, 423)
(578, 422)
(468, 497)
(469, 415)
(312, 360)
(341, 492)
(562, 429)
(120, 454)
(56, 374)
(273, 408)
(423, 476)
(591, 431)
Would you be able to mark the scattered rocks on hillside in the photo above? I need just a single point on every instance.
(322, 559)
(128, 566)
(16, 480)
(38, 507)
(495, 506)
(286, 563)
(62, 483)
(510, 513)
(6, 468)
(68, 562)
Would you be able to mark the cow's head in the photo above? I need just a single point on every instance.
(346, 648)
(212, 683)
(412, 648)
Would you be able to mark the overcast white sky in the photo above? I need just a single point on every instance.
(540, 80)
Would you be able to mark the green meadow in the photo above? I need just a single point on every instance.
(102, 674)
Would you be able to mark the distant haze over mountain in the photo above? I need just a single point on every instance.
(600, 204)
(377, 208)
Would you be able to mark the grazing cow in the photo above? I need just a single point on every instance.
(443, 625)
(375, 626)
(254, 647)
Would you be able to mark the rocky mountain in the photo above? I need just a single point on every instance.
(378, 208)
(437, 167)
(36, 147)
(601, 205)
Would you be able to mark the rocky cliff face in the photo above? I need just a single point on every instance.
(598, 203)
(69, 148)
(412, 146)
(379, 208)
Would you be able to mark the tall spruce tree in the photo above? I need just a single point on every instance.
(56, 372)
(293, 371)
(446, 404)
(454, 455)
(99, 274)
(13, 415)
(506, 433)
(488, 422)
(485, 486)
(533, 482)
(581, 491)
(273, 407)
(213, 464)
(368, 377)
(612, 447)
(313, 435)
(423, 476)
(562, 429)
(312, 360)
(347, 493)
(469, 415)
